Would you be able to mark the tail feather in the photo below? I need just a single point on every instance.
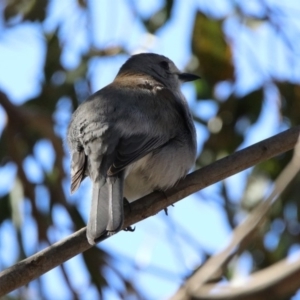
(106, 215)
(98, 214)
(115, 207)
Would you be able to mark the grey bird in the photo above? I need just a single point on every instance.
(134, 136)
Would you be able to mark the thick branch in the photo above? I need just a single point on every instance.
(43, 261)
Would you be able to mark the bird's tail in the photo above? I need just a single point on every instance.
(106, 215)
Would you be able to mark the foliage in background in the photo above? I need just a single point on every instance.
(215, 56)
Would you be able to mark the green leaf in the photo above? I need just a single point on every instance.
(290, 101)
(211, 48)
(159, 18)
(233, 118)
(31, 10)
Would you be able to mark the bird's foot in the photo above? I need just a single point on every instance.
(166, 208)
(129, 228)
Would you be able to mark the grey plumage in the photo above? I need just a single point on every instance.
(132, 137)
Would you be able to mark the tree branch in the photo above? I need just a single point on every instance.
(275, 282)
(47, 259)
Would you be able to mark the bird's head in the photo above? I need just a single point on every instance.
(159, 67)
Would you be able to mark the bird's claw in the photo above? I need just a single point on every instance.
(129, 228)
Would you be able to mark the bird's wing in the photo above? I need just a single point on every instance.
(136, 143)
(131, 149)
(78, 166)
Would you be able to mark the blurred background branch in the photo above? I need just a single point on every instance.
(259, 285)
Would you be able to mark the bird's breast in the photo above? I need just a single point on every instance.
(159, 170)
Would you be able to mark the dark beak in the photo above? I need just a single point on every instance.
(187, 77)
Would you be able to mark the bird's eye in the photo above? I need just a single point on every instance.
(165, 65)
